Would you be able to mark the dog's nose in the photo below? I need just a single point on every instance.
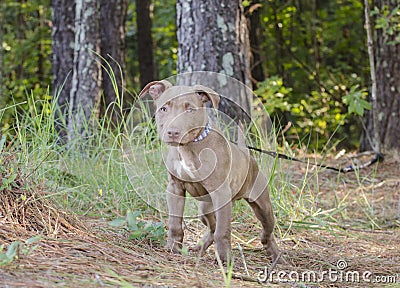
(173, 133)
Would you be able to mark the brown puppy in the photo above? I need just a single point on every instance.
(202, 162)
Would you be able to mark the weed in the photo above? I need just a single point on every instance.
(228, 272)
(2, 141)
(17, 248)
(8, 176)
(141, 230)
(118, 281)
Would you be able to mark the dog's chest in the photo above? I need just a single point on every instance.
(191, 166)
(185, 171)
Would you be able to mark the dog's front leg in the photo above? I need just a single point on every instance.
(176, 204)
(222, 201)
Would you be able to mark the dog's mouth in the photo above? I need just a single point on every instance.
(181, 140)
(172, 143)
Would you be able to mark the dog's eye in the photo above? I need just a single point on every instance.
(163, 109)
(189, 109)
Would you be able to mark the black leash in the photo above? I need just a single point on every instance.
(378, 157)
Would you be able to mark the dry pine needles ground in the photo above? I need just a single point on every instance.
(71, 253)
(26, 208)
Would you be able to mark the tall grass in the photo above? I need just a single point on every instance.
(122, 169)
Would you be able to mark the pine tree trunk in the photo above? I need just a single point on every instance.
(21, 29)
(112, 31)
(86, 77)
(255, 36)
(387, 59)
(387, 63)
(213, 36)
(145, 42)
(280, 42)
(63, 39)
(112, 39)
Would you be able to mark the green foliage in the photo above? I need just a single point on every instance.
(227, 273)
(141, 230)
(10, 254)
(164, 37)
(310, 115)
(355, 99)
(164, 41)
(389, 21)
(9, 176)
(27, 53)
(17, 248)
(314, 56)
(319, 54)
(246, 3)
(2, 142)
(274, 95)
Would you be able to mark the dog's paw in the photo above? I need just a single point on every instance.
(272, 249)
(203, 244)
(276, 256)
(195, 248)
(174, 247)
(279, 259)
(198, 248)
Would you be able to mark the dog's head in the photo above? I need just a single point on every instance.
(180, 110)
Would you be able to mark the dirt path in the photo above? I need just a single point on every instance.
(354, 258)
(344, 255)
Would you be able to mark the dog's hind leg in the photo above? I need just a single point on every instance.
(207, 217)
(263, 210)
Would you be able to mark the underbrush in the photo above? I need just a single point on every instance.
(120, 168)
(99, 203)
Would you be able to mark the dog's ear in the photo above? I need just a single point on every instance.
(207, 94)
(155, 88)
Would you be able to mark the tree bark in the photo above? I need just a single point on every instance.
(145, 42)
(255, 37)
(86, 77)
(213, 36)
(314, 35)
(63, 39)
(387, 63)
(376, 144)
(40, 63)
(77, 79)
(21, 29)
(279, 43)
(112, 31)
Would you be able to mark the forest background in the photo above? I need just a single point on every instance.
(310, 62)
(92, 212)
